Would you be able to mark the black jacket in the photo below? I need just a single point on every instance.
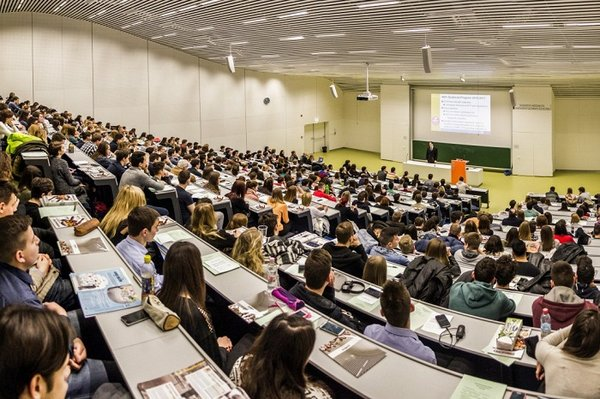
(349, 260)
(428, 280)
(326, 305)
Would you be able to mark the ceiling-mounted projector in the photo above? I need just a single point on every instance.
(367, 96)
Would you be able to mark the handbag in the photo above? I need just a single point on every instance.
(162, 316)
(86, 227)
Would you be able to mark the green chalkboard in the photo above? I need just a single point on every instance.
(491, 157)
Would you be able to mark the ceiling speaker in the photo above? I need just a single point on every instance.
(333, 90)
(230, 63)
(513, 100)
(427, 62)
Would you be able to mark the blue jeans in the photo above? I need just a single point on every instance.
(83, 383)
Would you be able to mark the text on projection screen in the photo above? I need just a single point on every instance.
(461, 113)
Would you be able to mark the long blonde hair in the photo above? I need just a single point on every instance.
(38, 131)
(248, 251)
(306, 199)
(129, 197)
(204, 221)
(524, 231)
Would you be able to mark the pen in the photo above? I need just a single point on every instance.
(361, 369)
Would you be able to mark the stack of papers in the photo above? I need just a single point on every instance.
(217, 263)
(477, 388)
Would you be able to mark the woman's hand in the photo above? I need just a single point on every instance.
(539, 372)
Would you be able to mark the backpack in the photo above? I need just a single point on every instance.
(18, 164)
(568, 252)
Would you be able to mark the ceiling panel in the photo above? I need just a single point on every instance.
(489, 42)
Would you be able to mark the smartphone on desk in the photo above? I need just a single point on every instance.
(134, 318)
(442, 320)
(332, 328)
(374, 292)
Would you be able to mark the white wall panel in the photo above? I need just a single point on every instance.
(265, 123)
(532, 131)
(16, 65)
(77, 67)
(576, 135)
(222, 106)
(362, 123)
(120, 78)
(395, 122)
(47, 48)
(174, 87)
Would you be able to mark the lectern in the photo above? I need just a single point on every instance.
(458, 168)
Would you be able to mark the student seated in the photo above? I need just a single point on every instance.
(562, 302)
(396, 307)
(585, 287)
(184, 292)
(479, 298)
(40, 187)
(186, 202)
(375, 270)
(568, 359)
(524, 267)
(275, 365)
(561, 234)
(505, 271)
(248, 251)
(429, 277)
(470, 254)
(388, 244)
(34, 353)
(17, 257)
(552, 195)
(114, 223)
(369, 237)
(348, 254)
(204, 224)
(318, 290)
(142, 225)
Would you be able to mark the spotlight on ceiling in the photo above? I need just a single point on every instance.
(230, 63)
(462, 78)
(333, 90)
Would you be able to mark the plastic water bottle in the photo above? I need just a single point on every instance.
(272, 276)
(545, 323)
(147, 273)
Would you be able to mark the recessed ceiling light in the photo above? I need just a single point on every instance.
(270, 56)
(156, 37)
(377, 4)
(414, 30)
(193, 47)
(330, 35)
(543, 47)
(169, 13)
(588, 46)
(362, 52)
(59, 6)
(324, 53)
(215, 58)
(206, 28)
(208, 2)
(170, 34)
(133, 24)
(294, 14)
(524, 26)
(254, 21)
(188, 8)
(238, 43)
(20, 4)
(443, 49)
(291, 38)
(583, 24)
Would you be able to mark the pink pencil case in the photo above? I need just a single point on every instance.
(291, 301)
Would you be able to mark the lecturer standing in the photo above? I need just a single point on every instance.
(432, 153)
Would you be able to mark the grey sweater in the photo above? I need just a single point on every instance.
(134, 176)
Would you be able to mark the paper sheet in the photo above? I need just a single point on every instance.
(420, 316)
(365, 302)
(432, 326)
(515, 296)
(476, 388)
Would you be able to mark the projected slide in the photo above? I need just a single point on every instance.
(461, 113)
